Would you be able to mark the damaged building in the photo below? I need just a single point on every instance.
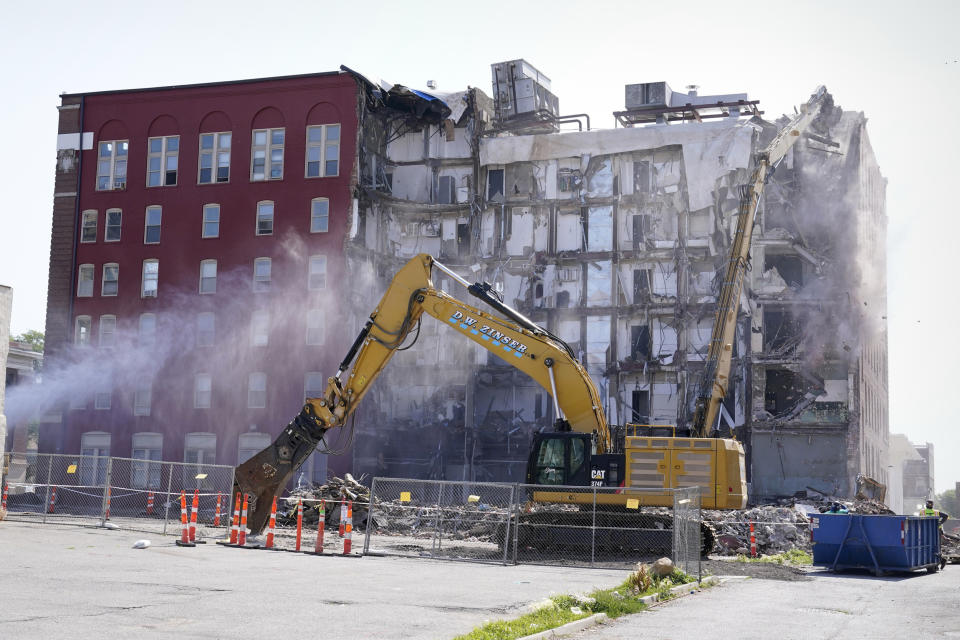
(613, 239)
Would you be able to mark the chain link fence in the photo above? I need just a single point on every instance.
(687, 539)
(440, 519)
(138, 495)
(514, 523)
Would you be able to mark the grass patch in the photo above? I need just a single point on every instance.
(559, 610)
(794, 557)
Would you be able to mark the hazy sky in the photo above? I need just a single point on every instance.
(897, 62)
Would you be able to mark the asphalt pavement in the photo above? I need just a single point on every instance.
(67, 581)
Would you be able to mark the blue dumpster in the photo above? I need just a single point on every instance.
(879, 543)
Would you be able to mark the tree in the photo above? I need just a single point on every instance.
(33, 338)
(948, 501)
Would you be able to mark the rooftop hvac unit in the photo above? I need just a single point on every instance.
(519, 89)
(648, 94)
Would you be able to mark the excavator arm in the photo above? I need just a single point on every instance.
(515, 338)
(716, 378)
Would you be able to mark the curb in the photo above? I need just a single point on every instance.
(567, 629)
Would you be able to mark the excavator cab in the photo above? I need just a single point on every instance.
(560, 458)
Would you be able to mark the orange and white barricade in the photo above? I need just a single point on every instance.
(184, 540)
(150, 503)
(299, 523)
(106, 513)
(235, 528)
(216, 514)
(321, 523)
(242, 536)
(53, 499)
(343, 515)
(6, 487)
(753, 542)
(348, 530)
(272, 526)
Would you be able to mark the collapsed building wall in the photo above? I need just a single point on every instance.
(613, 240)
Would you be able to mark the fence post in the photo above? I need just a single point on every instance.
(516, 528)
(166, 503)
(366, 538)
(438, 538)
(506, 530)
(593, 530)
(699, 540)
(106, 489)
(46, 500)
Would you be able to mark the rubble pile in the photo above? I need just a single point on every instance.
(333, 490)
(473, 521)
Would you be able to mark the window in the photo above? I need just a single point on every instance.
(315, 327)
(147, 332)
(214, 157)
(142, 398)
(147, 453)
(150, 278)
(206, 329)
(85, 281)
(323, 150)
(250, 444)
(199, 449)
(81, 332)
(211, 221)
(112, 165)
(319, 215)
(261, 274)
(260, 328)
(265, 218)
(108, 331)
(95, 449)
(111, 279)
(267, 155)
(208, 276)
(111, 229)
(103, 392)
(151, 225)
(257, 390)
(202, 386)
(318, 273)
(88, 228)
(314, 384)
(162, 161)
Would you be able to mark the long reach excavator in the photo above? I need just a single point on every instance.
(582, 450)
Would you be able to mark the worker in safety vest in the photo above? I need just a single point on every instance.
(930, 511)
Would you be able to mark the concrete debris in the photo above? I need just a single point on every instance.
(141, 544)
(332, 491)
(777, 528)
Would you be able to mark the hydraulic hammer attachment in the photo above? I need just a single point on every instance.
(267, 473)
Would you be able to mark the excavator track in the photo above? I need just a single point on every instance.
(610, 532)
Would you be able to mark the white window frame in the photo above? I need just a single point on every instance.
(103, 393)
(147, 452)
(166, 157)
(107, 227)
(85, 278)
(154, 208)
(260, 328)
(250, 444)
(264, 216)
(112, 164)
(320, 220)
(204, 221)
(110, 268)
(107, 330)
(199, 449)
(202, 391)
(262, 274)
(319, 385)
(143, 397)
(219, 151)
(324, 145)
(81, 338)
(147, 338)
(266, 150)
(314, 274)
(206, 337)
(146, 277)
(257, 384)
(88, 226)
(316, 327)
(208, 282)
(93, 470)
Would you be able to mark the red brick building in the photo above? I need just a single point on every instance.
(198, 232)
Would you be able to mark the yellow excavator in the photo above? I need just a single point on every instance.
(643, 462)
